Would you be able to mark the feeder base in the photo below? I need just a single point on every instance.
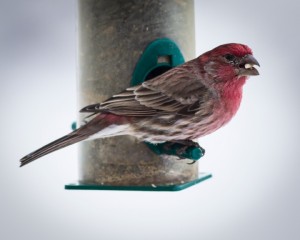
(172, 188)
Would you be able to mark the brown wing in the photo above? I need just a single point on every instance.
(178, 91)
(182, 84)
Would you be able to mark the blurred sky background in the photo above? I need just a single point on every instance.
(254, 192)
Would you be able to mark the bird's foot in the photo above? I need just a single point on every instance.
(189, 143)
(185, 149)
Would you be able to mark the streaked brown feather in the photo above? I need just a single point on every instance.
(165, 94)
(76, 136)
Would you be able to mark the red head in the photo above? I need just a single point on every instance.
(229, 62)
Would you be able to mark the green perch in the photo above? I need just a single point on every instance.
(191, 152)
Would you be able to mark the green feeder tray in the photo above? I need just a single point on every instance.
(158, 188)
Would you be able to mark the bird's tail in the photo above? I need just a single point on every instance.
(78, 135)
(51, 147)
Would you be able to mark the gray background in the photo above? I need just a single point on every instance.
(254, 193)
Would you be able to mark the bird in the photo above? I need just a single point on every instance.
(181, 105)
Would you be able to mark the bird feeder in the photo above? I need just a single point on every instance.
(123, 43)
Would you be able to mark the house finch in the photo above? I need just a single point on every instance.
(181, 105)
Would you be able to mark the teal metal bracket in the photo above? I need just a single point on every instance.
(160, 56)
(161, 53)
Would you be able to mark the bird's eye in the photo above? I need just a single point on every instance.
(229, 57)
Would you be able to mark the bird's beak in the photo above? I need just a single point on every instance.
(246, 66)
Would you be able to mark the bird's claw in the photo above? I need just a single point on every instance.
(192, 162)
(180, 148)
